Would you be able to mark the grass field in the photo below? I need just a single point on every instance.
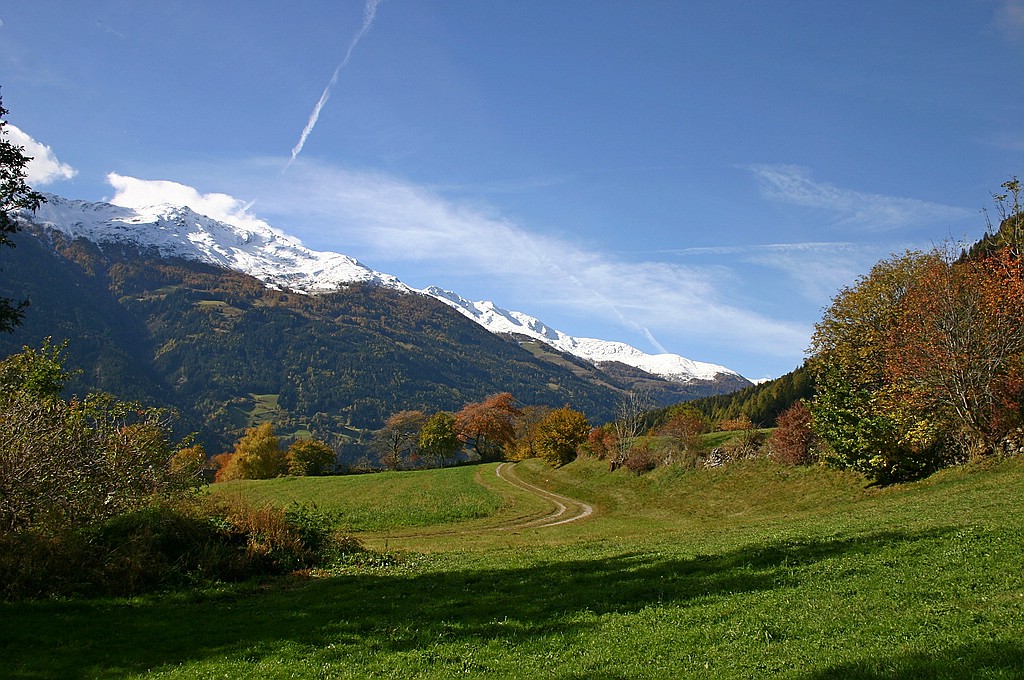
(749, 571)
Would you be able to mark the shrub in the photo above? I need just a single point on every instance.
(640, 459)
(792, 442)
(164, 546)
(79, 462)
(734, 424)
(309, 457)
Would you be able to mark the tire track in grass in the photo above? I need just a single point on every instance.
(566, 509)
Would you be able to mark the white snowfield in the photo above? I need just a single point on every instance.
(281, 261)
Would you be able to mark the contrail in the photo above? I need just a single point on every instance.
(369, 12)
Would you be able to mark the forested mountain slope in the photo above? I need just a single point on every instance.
(227, 351)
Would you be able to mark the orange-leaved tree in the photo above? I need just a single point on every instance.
(488, 426)
(956, 351)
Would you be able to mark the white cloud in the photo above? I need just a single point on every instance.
(141, 194)
(44, 167)
(793, 184)
(816, 246)
(819, 269)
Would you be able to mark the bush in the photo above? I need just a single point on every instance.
(79, 462)
(164, 546)
(640, 459)
(793, 441)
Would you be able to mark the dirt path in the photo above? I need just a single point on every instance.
(566, 509)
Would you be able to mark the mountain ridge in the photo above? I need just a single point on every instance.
(280, 261)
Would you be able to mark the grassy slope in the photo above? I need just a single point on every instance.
(748, 571)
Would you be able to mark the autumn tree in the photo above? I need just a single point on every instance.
(309, 457)
(189, 462)
(855, 410)
(527, 425)
(489, 426)
(601, 442)
(685, 427)
(560, 435)
(398, 438)
(439, 439)
(257, 455)
(952, 355)
(15, 195)
(921, 363)
(1010, 232)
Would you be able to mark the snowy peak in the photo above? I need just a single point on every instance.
(254, 248)
(497, 320)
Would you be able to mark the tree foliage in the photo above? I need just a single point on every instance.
(560, 434)
(921, 362)
(15, 195)
(953, 357)
(527, 424)
(398, 439)
(439, 439)
(309, 458)
(761, 403)
(489, 426)
(684, 427)
(71, 463)
(793, 440)
(257, 455)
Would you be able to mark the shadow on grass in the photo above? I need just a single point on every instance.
(982, 660)
(382, 613)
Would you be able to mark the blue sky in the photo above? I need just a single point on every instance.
(692, 177)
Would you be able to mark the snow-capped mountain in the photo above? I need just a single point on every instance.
(254, 247)
(498, 320)
(257, 249)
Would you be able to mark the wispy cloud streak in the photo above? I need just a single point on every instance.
(378, 218)
(814, 246)
(369, 12)
(876, 212)
(1010, 19)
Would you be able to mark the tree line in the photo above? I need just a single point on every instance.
(495, 428)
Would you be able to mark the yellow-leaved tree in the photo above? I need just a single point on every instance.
(257, 455)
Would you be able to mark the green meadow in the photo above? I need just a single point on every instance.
(753, 570)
